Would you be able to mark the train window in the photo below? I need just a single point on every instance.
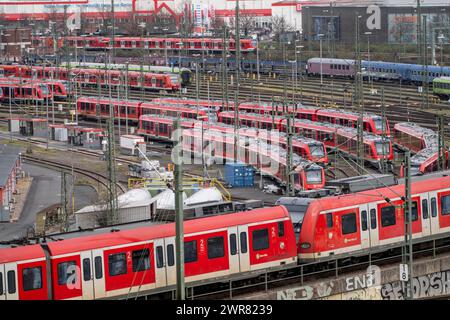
(260, 239)
(364, 220)
(159, 257)
(425, 208)
(1, 283)
(67, 273)
(281, 229)
(117, 264)
(32, 278)
(216, 247)
(233, 244)
(329, 218)
(170, 255)
(388, 216)
(98, 268)
(243, 241)
(415, 211)
(348, 223)
(433, 207)
(141, 260)
(190, 251)
(445, 205)
(373, 219)
(11, 275)
(86, 269)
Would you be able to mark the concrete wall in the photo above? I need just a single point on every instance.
(431, 279)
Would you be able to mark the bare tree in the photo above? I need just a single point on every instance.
(279, 25)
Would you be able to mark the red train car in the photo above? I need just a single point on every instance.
(173, 44)
(344, 138)
(37, 92)
(92, 107)
(421, 141)
(354, 224)
(23, 273)
(109, 264)
(174, 111)
(268, 158)
(147, 80)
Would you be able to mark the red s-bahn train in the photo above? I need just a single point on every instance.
(332, 135)
(36, 92)
(101, 264)
(421, 141)
(114, 264)
(93, 107)
(173, 44)
(56, 87)
(135, 79)
(372, 123)
(270, 159)
(161, 128)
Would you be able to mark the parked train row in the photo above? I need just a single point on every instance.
(423, 143)
(134, 79)
(18, 89)
(207, 45)
(340, 68)
(334, 136)
(269, 159)
(102, 264)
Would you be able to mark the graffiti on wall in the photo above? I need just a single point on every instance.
(430, 285)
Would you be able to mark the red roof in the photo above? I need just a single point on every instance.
(21, 253)
(164, 230)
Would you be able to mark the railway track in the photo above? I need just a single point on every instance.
(98, 177)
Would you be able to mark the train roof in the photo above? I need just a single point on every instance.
(346, 113)
(29, 252)
(378, 195)
(429, 137)
(107, 238)
(331, 60)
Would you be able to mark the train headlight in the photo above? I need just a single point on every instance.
(305, 245)
(281, 245)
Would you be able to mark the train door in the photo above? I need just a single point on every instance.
(434, 216)
(87, 282)
(233, 251)
(373, 224)
(171, 274)
(99, 274)
(160, 264)
(364, 225)
(2, 283)
(11, 287)
(426, 224)
(244, 256)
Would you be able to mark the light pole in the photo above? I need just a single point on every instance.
(165, 45)
(321, 68)
(368, 33)
(202, 119)
(299, 61)
(441, 38)
(255, 37)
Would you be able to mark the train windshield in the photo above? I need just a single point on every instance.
(314, 176)
(383, 148)
(174, 78)
(317, 150)
(378, 123)
(415, 169)
(44, 88)
(297, 208)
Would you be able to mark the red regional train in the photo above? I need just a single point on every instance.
(371, 122)
(173, 44)
(113, 262)
(268, 158)
(161, 128)
(135, 79)
(36, 92)
(421, 141)
(56, 87)
(92, 107)
(333, 136)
